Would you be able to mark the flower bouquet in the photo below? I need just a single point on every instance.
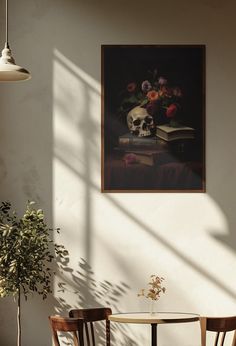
(150, 103)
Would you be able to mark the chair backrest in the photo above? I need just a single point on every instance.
(66, 324)
(92, 315)
(219, 325)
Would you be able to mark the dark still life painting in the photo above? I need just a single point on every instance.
(153, 118)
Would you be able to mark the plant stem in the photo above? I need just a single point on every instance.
(18, 319)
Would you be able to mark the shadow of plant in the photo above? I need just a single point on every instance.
(87, 292)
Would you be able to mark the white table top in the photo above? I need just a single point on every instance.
(154, 318)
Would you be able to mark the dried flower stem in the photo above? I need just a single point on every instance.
(155, 289)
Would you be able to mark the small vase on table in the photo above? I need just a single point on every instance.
(152, 307)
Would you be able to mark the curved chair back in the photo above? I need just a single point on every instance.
(90, 316)
(66, 324)
(219, 325)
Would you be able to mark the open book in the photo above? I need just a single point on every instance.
(169, 133)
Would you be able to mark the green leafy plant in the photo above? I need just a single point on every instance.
(27, 253)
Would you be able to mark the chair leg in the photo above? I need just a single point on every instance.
(223, 339)
(108, 335)
(234, 340)
(203, 330)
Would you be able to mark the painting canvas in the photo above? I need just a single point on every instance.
(153, 118)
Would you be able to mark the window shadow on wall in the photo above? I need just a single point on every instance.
(86, 291)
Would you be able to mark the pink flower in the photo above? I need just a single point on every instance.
(171, 110)
(130, 159)
(162, 81)
(131, 87)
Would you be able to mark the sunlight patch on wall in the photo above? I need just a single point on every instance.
(76, 130)
(76, 117)
(170, 234)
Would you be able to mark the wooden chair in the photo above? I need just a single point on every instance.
(219, 325)
(93, 315)
(65, 324)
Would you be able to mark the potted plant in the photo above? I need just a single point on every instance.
(26, 255)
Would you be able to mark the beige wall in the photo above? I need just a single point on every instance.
(50, 152)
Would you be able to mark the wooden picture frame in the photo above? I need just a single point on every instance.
(153, 118)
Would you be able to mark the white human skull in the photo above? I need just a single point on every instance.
(139, 122)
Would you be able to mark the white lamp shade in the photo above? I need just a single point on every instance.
(9, 71)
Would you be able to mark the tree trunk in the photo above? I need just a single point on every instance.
(18, 319)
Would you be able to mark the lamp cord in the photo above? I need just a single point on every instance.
(6, 43)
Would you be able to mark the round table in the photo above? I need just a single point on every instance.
(154, 319)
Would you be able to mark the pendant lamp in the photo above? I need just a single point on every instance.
(9, 71)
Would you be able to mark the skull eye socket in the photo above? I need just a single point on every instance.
(137, 122)
(148, 119)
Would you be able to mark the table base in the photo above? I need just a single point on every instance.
(154, 334)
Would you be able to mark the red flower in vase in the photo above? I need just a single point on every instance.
(171, 110)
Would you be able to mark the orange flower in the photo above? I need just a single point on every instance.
(152, 95)
(131, 87)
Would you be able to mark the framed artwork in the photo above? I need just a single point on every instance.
(153, 118)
